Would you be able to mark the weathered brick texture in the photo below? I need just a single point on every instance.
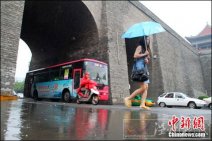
(205, 60)
(11, 17)
(176, 68)
(98, 27)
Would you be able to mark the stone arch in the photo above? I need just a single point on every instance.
(59, 31)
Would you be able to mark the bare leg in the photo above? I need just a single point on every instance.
(144, 95)
(127, 100)
(138, 91)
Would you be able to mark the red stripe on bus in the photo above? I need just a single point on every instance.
(71, 62)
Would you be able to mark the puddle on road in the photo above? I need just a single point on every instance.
(31, 121)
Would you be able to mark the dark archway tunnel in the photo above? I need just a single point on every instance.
(59, 31)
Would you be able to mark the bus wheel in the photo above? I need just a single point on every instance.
(95, 99)
(66, 96)
(35, 95)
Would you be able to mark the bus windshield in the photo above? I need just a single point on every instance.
(98, 72)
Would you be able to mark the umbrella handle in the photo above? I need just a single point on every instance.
(145, 43)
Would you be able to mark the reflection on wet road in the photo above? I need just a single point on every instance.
(29, 120)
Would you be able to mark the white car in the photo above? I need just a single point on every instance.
(179, 99)
(20, 95)
(208, 101)
(14, 93)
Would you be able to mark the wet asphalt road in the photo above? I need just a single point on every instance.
(26, 119)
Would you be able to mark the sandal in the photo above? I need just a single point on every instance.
(145, 107)
(127, 102)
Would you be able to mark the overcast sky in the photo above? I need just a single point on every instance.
(23, 60)
(187, 18)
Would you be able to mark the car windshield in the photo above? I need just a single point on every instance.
(162, 95)
(98, 72)
(186, 95)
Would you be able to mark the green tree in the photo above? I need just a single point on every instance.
(19, 87)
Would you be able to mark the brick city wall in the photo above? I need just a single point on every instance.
(176, 66)
(205, 60)
(11, 17)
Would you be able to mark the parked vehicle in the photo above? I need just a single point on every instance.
(208, 101)
(14, 93)
(170, 99)
(20, 95)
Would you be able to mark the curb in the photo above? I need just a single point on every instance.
(8, 97)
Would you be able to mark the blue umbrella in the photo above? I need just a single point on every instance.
(143, 29)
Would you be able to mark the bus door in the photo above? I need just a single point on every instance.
(76, 78)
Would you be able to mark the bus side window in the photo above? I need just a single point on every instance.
(54, 74)
(35, 78)
(66, 73)
(42, 77)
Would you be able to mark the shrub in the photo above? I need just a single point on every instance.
(202, 97)
(19, 87)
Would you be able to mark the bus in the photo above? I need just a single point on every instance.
(61, 81)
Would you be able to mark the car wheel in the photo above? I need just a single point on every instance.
(66, 96)
(162, 104)
(95, 99)
(210, 106)
(192, 105)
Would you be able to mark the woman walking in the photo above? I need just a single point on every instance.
(142, 53)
